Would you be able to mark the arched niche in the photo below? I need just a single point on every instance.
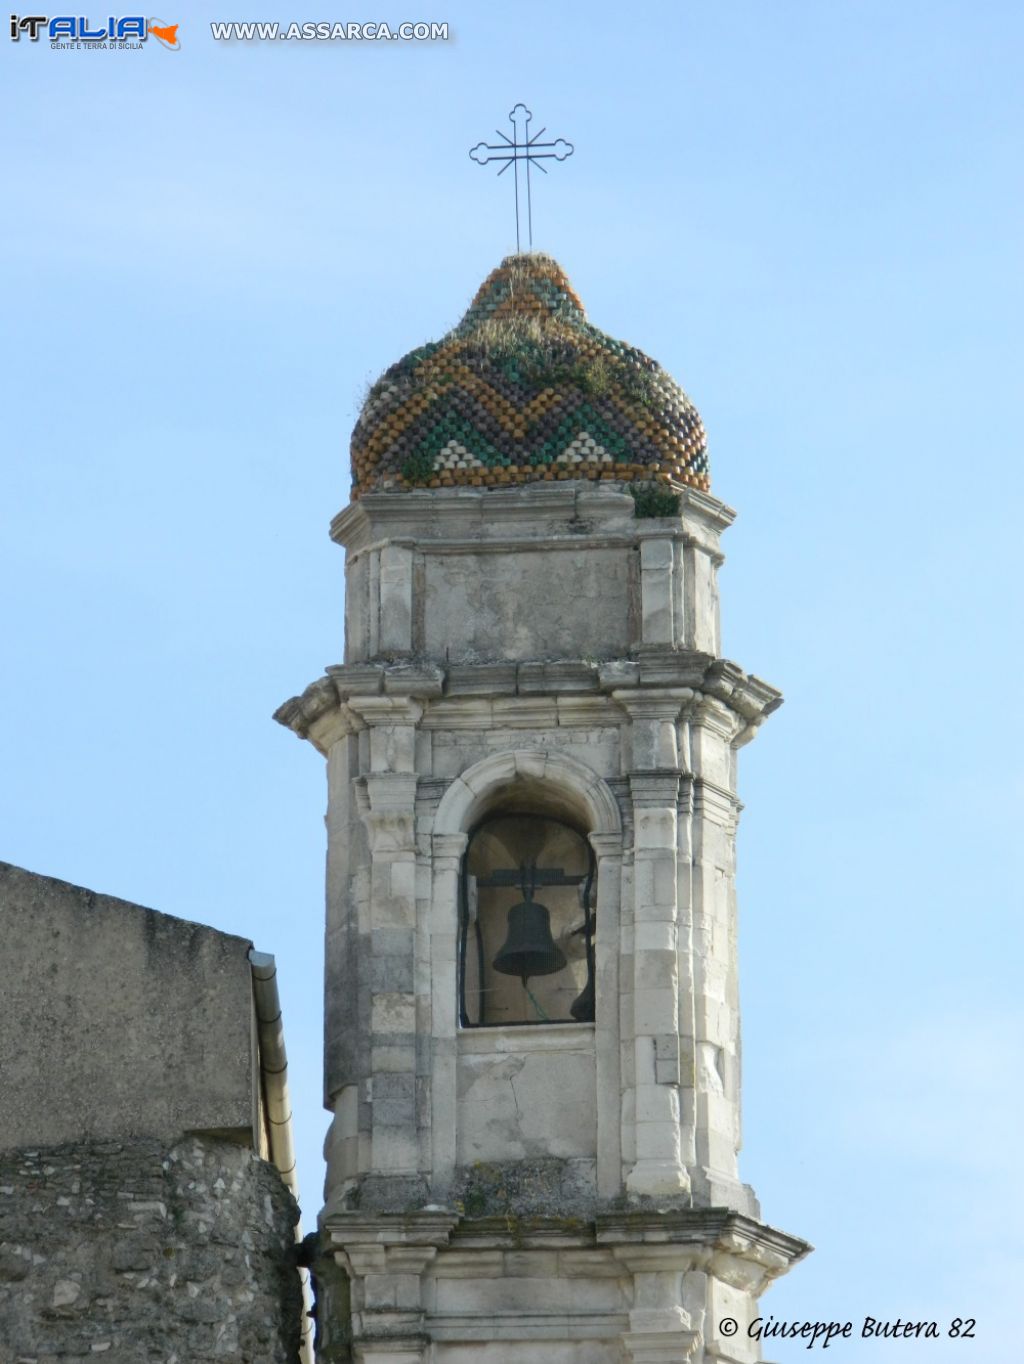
(546, 782)
(499, 1090)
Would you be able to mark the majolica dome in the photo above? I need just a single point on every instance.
(523, 389)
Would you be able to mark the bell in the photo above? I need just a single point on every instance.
(582, 1007)
(529, 949)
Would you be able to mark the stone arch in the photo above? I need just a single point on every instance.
(562, 785)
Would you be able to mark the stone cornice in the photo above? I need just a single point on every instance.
(572, 510)
(717, 1239)
(546, 692)
(422, 1228)
(737, 1249)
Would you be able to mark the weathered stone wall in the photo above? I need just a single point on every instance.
(138, 1251)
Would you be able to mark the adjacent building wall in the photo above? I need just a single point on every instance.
(118, 1021)
(133, 1251)
(137, 1220)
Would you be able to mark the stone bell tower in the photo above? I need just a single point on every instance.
(532, 1035)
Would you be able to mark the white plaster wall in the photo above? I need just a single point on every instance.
(524, 1092)
(551, 602)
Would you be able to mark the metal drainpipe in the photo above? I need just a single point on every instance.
(274, 1080)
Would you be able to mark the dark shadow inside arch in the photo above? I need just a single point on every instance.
(526, 921)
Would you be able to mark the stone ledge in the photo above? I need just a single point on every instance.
(537, 1326)
(576, 508)
(652, 669)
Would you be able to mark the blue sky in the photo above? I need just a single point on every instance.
(811, 215)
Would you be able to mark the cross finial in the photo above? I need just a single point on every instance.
(522, 147)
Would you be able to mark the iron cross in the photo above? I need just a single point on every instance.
(522, 147)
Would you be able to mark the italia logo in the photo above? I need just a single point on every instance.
(129, 30)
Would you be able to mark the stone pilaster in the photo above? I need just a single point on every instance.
(390, 819)
(716, 1023)
(386, 1258)
(447, 853)
(608, 1022)
(659, 1168)
(689, 1272)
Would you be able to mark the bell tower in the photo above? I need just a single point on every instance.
(532, 1023)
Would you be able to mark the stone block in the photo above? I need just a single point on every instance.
(548, 678)
(408, 679)
(399, 1059)
(391, 912)
(655, 1012)
(657, 1140)
(667, 1059)
(392, 942)
(390, 974)
(393, 1012)
(395, 1150)
(658, 935)
(394, 1100)
(481, 679)
(656, 1103)
(656, 577)
(657, 970)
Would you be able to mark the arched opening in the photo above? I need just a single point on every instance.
(526, 920)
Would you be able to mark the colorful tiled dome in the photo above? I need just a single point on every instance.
(523, 389)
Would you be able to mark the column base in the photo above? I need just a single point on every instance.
(627, 1287)
(657, 1179)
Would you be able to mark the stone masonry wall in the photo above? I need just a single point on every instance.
(131, 1252)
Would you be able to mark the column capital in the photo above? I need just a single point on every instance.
(653, 703)
(606, 845)
(390, 811)
(654, 717)
(655, 787)
(391, 790)
(387, 710)
(449, 846)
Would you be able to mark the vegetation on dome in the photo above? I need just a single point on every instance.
(649, 500)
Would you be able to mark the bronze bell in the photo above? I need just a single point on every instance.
(529, 949)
